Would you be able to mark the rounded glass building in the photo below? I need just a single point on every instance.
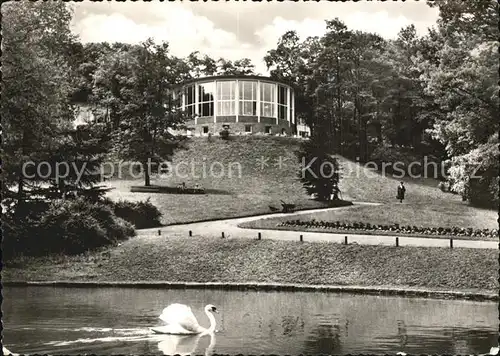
(242, 104)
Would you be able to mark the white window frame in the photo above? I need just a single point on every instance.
(200, 103)
(231, 100)
(185, 104)
(273, 87)
(242, 100)
(278, 105)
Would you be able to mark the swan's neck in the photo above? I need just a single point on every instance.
(211, 317)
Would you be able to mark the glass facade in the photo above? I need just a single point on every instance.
(257, 98)
(282, 102)
(206, 95)
(267, 99)
(248, 98)
(189, 99)
(226, 98)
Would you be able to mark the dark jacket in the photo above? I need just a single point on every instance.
(401, 192)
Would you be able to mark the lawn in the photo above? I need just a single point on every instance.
(424, 204)
(249, 190)
(389, 214)
(256, 187)
(273, 224)
(208, 259)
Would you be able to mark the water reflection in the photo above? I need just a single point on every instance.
(324, 338)
(402, 334)
(117, 321)
(185, 344)
(292, 325)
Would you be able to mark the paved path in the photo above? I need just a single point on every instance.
(231, 230)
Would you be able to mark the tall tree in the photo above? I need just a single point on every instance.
(36, 89)
(291, 62)
(201, 65)
(238, 67)
(285, 61)
(319, 171)
(142, 92)
(463, 82)
(84, 60)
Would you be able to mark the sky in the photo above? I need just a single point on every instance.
(235, 29)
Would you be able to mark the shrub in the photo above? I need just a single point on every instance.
(76, 226)
(71, 233)
(443, 186)
(70, 226)
(142, 214)
(15, 235)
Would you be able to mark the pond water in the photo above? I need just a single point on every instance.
(117, 321)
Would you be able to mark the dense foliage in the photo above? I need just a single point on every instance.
(145, 107)
(142, 214)
(70, 227)
(319, 171)
(420, 95)
(44, 156)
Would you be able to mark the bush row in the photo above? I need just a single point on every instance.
(441, 231)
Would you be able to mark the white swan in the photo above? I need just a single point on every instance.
(181, 320)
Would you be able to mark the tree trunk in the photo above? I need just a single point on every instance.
(20, 180)
(20, 195)
(147, 177)
(339, 108)
(341, 129)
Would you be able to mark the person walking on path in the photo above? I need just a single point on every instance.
(401, 192)
(336, 193)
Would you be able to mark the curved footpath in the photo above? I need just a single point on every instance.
(232, 230)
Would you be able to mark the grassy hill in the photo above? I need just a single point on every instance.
(234, 170)
(252, 186)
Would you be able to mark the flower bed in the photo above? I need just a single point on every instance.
(396, 228)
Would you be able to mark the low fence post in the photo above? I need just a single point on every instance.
(397, 241)
(259, 236)
(222, 234)
(345, 240)
(301, 238)
(159, 232)
(451, 243)
(190, 233)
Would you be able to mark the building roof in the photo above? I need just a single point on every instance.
(255, 77)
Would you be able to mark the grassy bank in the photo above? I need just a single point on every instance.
(246, 188)
(206, 259)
